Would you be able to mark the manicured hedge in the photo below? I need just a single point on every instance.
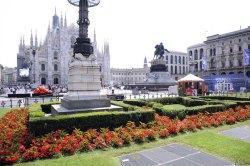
(139, 103)
(182, 113)
(46, 108)
(126, 107)
(167, 100)
(39, 110)
(227, 98)
(190, 102)
(35, 111)
(86, 121)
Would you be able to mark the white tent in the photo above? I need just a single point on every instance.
(191, 78)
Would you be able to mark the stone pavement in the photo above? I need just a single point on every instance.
(174, 155)
(242, 133)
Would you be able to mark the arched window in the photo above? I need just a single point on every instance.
(175, 69)
(195, 54)
(56, 81)
(240, 48)
(231, 50)
(43, 81)
(175, 59)
(223, 73)
(43, 67)
(171, 59)
(179, 69)
(55, 67)
(172, 70)
(183, 60)
(201, 53)
(214, 52)
(179, 59)
(190, 55)
(183, 70)
(166, 58)
(211, 52)
(55, 55)
(201, 68)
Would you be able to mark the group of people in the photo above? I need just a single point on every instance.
(28, 88)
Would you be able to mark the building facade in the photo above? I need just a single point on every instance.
(220, 60)
(9, 76)
(47, 62)
(130, 76)
(1, 75)
(177, 64)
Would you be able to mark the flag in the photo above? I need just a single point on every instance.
(246, 57)
(204, 63)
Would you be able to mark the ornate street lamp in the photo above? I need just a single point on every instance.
(83, 45)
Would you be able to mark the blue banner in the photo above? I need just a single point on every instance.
(246, 57)
(204, 63)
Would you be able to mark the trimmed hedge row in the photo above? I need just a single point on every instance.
(182, 113)
(84, 121)
(227, 98)
(190, 102)
(126, 107)
(39, 110)
(186, 101)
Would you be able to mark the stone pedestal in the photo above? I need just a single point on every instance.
(83, 87)
(158, 73)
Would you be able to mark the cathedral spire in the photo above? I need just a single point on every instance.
(23, 41)
(65, 20)
(31, 39)
(55, 20)
(36, 42)
(145, 65)
(55, 11)
(61, 20)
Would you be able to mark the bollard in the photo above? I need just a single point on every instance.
(11, 103)
(19, 102)
(144, 97)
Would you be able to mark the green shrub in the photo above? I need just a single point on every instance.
(139, 103)
(35, 111)
(46, 108)
(227, 98)
(190, 102)
(179, 111)
(84, 121)
(126, 107)
(167, 100)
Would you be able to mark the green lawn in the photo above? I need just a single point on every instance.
(3, 111)
(207, 140)
(173, 107)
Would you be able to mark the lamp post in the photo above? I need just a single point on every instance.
(83, 45)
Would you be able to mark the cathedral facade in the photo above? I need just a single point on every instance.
(46, 63)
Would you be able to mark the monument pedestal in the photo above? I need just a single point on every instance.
(83, 88)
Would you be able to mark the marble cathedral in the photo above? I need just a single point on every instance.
(46, 63)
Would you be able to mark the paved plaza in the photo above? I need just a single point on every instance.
(175, 155)
(242, 133)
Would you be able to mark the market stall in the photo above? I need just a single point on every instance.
(192, 85)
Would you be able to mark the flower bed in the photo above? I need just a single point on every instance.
(61, 143)
(13, 135)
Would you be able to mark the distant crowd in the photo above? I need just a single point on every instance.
(28, 88)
